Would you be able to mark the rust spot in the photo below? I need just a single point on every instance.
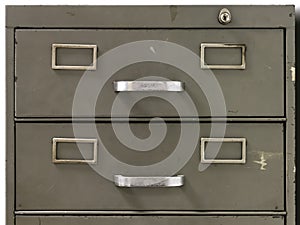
(70, 13)
(173, 12)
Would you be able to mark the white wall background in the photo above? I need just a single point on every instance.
(91, 2)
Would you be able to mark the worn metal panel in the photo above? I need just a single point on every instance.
(10, 143)
(150, 220)
(256, 91)
(42, 185)
(147, 17)
(291, 125)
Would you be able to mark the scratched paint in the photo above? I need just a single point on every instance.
(152, 50)
(263, 162)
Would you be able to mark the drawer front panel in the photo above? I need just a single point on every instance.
(255, 184)
(250, 71)
(150, 220)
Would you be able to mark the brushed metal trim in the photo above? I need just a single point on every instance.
(73, 161)
(93, 66)
(222, 45)
(144, 182)
(229, 161)
(151, 212)
(146, 119)
(170, 86)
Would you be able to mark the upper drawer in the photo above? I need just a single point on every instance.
(44, 91)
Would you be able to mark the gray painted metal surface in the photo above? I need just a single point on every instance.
(10, 133)
(148, 17)
(264, 111)
(42, 185)
(256, 91)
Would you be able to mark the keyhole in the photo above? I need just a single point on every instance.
(224, 16)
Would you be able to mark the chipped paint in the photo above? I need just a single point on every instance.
(263, 163)
(152, 50)
(293, 73)
(233, 111)
(269, 67)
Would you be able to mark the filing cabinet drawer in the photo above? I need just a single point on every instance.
(150, 220)
(252, 77)
(254, 183)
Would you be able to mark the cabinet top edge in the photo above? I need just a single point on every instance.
(206, 16)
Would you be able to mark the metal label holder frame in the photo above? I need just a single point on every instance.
(55, 141)
(242, 66)
(223, 161)
(93, 66)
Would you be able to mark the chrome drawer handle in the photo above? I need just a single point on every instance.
(172, 86)
(123, 181)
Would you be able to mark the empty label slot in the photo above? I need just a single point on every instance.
(226, 151)
(74, 56)
(223, 56)
(71, 151)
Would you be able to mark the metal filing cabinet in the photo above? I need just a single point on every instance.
(74, 72)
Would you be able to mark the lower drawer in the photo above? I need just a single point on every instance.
(257, 183)
(150, 220)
